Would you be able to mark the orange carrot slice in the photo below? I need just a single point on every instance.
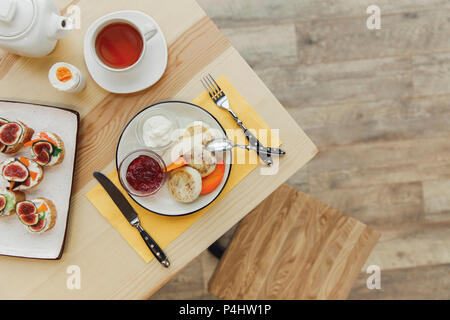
(180, 162)
(211, 182)
(30, 143)
(42, 208)
(11, 185)
(44, 135)
(24, 161)
(33, 175)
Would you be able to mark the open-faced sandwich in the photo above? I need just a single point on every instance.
(47, 149)
(196, 171)
(8, 201)
(198, 130)
(21, 173)
(13, 135)
(38, 216)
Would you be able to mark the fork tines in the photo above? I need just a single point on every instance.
(210, 85)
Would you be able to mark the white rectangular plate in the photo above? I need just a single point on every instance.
(15, 240)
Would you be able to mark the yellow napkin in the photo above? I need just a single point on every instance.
(166, 229)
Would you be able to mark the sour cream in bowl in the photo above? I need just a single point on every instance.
(156, 129)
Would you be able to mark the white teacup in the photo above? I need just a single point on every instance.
(147, 32)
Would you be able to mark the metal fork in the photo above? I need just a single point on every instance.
(221, 100)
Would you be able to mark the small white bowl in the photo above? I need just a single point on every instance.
(153, 112)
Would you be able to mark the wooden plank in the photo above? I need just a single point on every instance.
(423, 282)
(378, 163)
(188, 283)
(431, 74)
(380, 205)
(300, 181)
(251, 42)
(383, 153)
(362, 80)
(375, 121)
(375, 175)
(191, 282)
(411, 245)
(326, 41)
(293, 247)
(436, 195)
(256, 11)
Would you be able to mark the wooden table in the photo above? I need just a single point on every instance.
(109, 267)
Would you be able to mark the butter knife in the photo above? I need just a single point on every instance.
(132, 217)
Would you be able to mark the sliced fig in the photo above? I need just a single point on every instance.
(29, 219)
(26, 208)
(10, 133)
(43, 158)
(27, 183)
(38, 227)
(16, 171)
(2, 202)
(42, 145)
(3, 121)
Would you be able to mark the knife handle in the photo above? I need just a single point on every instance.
(264, 156)
(154, 248)
(269, 151)
(273, 151)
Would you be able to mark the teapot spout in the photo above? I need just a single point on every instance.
(59, 27)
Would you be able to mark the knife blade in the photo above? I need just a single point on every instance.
(130, 214)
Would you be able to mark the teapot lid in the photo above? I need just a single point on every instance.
(16, 17)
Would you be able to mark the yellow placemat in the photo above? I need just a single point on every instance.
(166, 229)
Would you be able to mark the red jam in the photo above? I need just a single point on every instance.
(144, 174)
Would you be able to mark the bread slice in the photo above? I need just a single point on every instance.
(33, 167)
(200, 132)
(52, 211)
(59, 145)
(54, 139)
(185, 184)
(26, 136)
(45, 214)
(202, 160)
(16, 197)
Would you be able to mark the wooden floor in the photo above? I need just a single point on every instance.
(377, 103)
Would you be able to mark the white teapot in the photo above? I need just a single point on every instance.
(31, 28)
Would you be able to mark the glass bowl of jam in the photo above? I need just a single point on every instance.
(142, 173)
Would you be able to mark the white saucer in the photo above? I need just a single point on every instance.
(149, 70)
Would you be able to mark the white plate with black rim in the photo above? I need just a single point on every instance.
(162, 202)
